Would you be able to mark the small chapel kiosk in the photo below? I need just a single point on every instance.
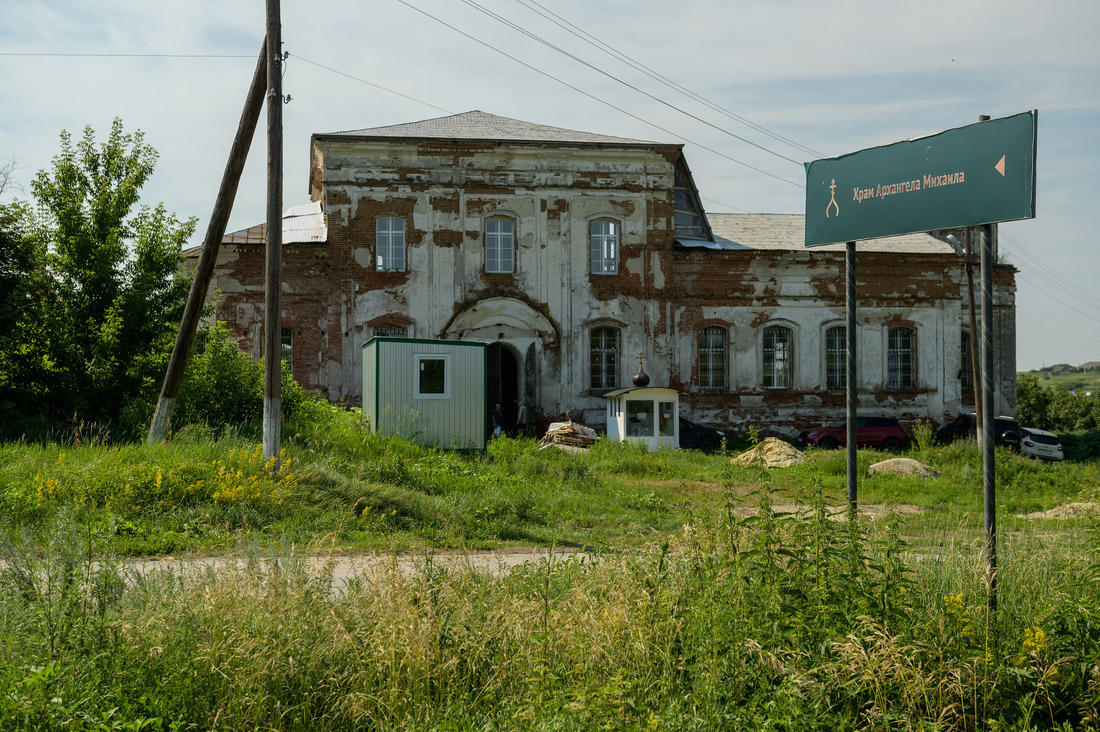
(650, 415)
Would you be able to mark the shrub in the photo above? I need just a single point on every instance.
(223, 386)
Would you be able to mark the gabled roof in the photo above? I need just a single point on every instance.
(787, 232)
(482, 126)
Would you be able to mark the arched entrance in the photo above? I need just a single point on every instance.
(503, 386)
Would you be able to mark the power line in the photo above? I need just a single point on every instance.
(1052, 276)
(130, 55)
(372, 84)
(606, 48)
(515, 26)
(595, 98)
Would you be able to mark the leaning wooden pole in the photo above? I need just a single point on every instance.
(273, 318)
(215, 231)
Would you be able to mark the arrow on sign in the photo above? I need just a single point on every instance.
(1000, 166)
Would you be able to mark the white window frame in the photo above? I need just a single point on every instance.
(901, 359)
(773, 356)
(603, 362)
(389, 244)
(836, 358)
(500, 245)
(706, 355)
(286, 346)
(392, 331)
(421, 358)
(603, 246)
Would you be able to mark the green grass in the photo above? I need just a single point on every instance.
(203, 492)
(691, 613)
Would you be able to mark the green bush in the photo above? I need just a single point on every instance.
(223, 386)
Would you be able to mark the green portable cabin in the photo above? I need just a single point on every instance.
(431, 391)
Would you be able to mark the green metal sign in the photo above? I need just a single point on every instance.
(979, 174)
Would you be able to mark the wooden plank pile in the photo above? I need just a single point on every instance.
(568, 434)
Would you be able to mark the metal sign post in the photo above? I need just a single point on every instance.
(976, 175)
(851, 392)
(989, 462)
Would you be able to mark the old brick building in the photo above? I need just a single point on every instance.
(575, 255)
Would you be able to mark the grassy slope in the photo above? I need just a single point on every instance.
(1081, 381)
(722, 623)
(359, 491)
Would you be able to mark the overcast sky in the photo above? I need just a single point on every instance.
(776, 83)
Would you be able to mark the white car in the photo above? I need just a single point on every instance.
(1040, 444)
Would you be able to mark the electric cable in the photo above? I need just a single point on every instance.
(610, 50)
(598, 99)
(370, 83)
(567, 54)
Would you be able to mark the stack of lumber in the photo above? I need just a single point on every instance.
(568, 434)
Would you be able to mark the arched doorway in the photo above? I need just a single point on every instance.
(503, 386)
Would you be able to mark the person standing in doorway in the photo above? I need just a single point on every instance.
(523, 420)
(496, 421)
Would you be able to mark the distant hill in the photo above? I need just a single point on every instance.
(1083, 378)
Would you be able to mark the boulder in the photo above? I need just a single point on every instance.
(903, 466)
(771, 453)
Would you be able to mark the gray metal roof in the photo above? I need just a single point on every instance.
(786, 232)
(303, 224)
(479, 125)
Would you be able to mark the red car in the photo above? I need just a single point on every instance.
(885, 433)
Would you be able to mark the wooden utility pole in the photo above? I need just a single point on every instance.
(273, 319)
(223, 205)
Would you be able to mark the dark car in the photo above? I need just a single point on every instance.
(699, 437)
(1006, 431)
(885, 433)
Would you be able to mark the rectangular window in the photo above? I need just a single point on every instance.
(836, 358)
(500, 237)
(604, 243)
(391, 331)
(712, 358)
(901, 364)
(286, 346)
(604, 357)
(666, 419)
(777, 358)
(639, 419)
(432, 377)
(390, 245)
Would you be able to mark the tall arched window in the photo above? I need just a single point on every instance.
(778, 359)
(712, 358)
(836, 357)
(603, 240)
(500, 246)
(389, 244)
(603, 356)
(901, 363)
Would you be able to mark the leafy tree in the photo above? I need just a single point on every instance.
(1032, 401)
(223, 386)
(113, 273)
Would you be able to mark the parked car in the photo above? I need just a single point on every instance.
(885, 433)
(1040, 444)
(1006, 431)
(699, 436)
